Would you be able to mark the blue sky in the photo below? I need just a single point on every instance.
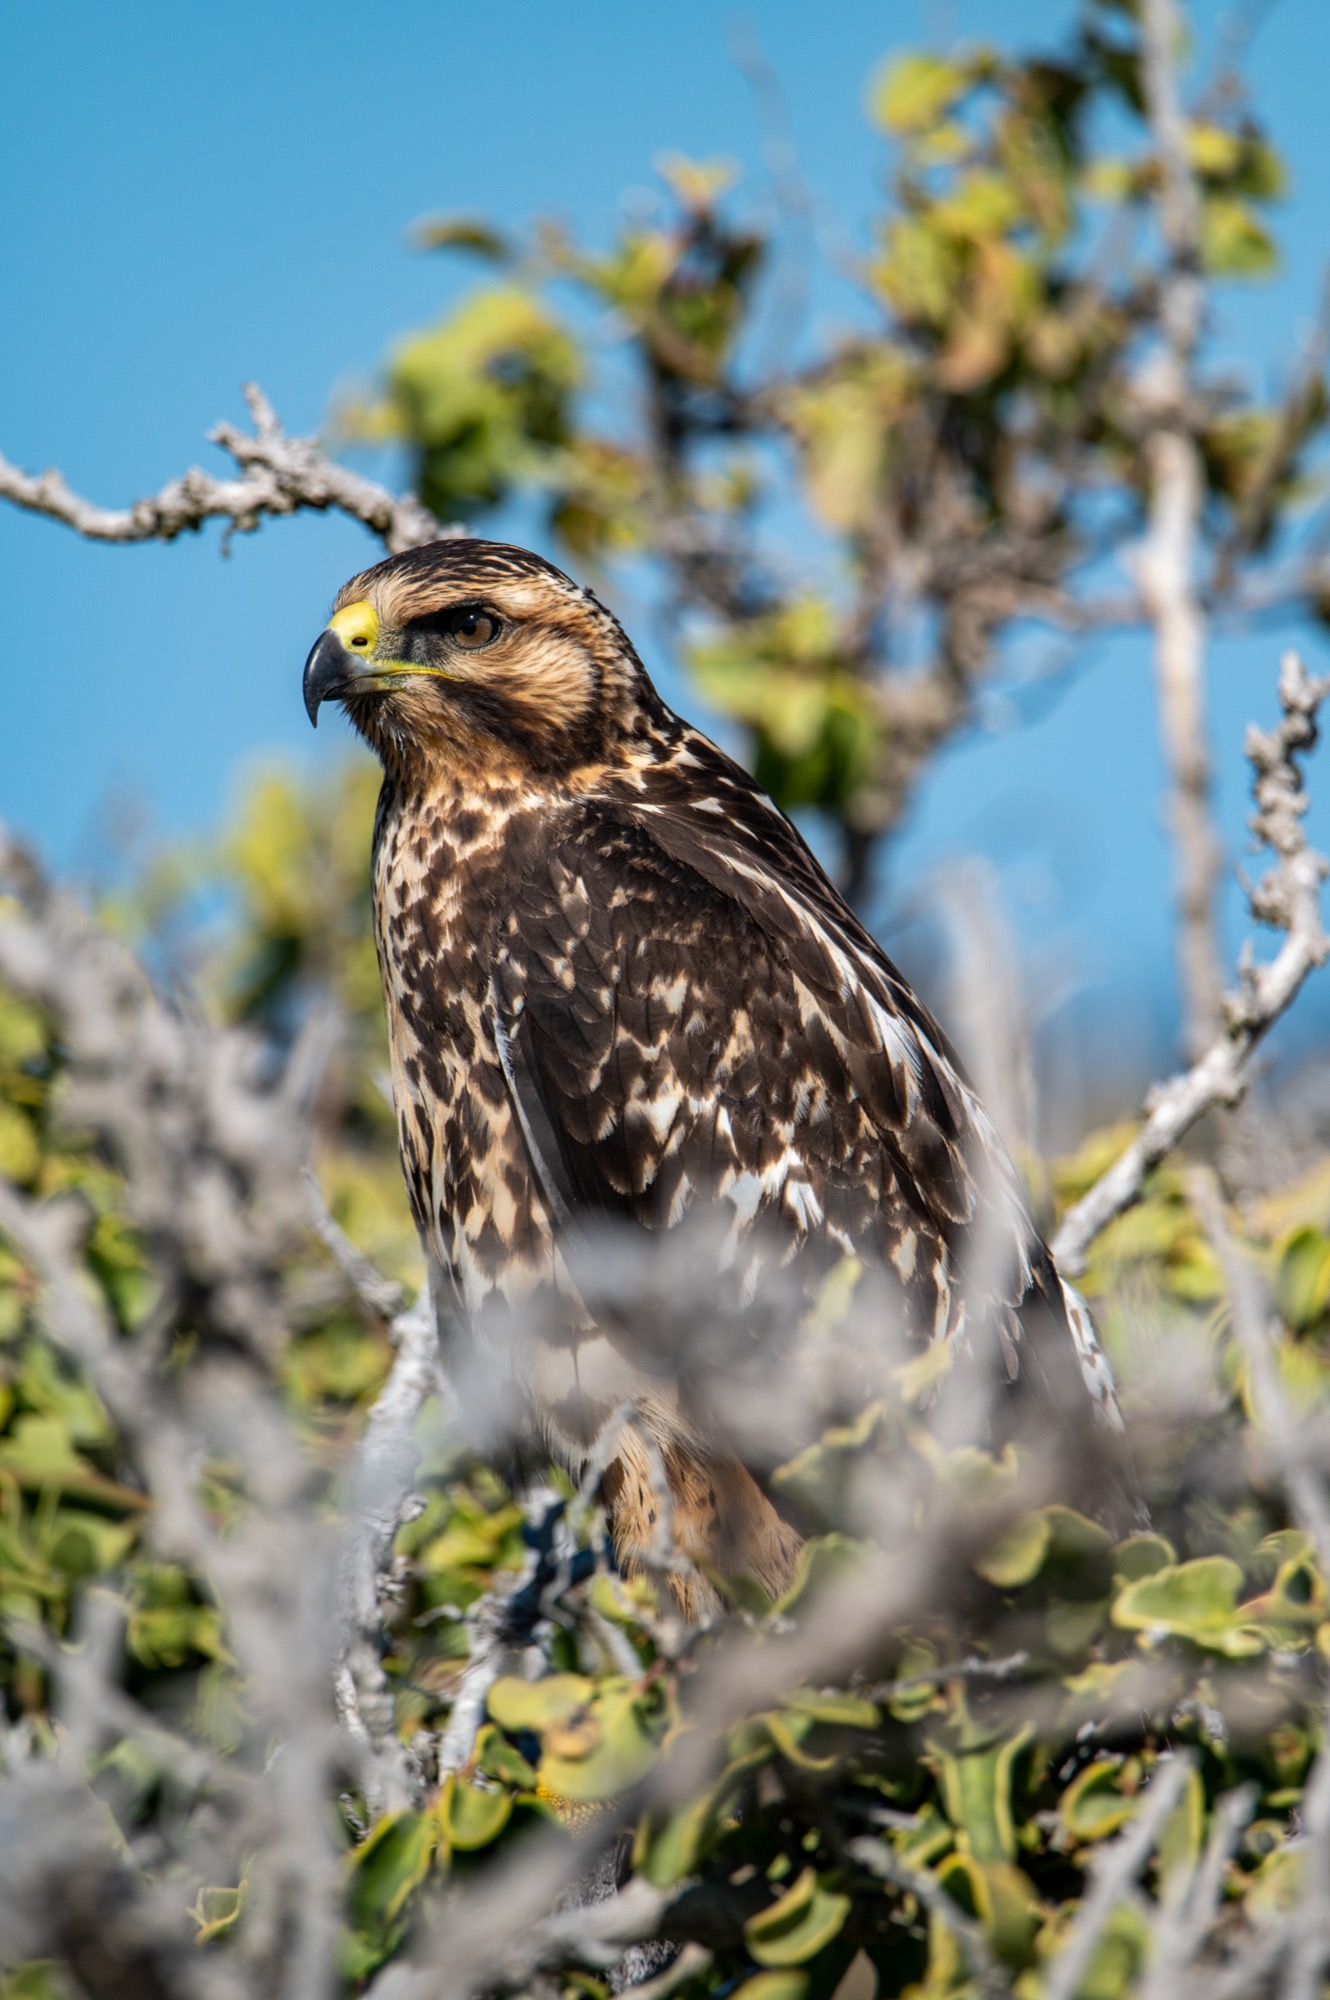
(197, 194)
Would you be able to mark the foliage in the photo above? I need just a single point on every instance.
(966, 456)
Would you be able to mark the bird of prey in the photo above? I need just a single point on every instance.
(620, 988)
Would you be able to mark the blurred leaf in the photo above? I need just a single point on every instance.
(1233, 243)
(914, 90)
(699, 184)
(388, 1866)
(216, 1911)
(976, 1770)
(1019, 1553)
(1094, 1805)
(497, 1758)
(1000, 1896)
(471, 1816)
(1194, 1600)
(538, 1705)
(798, 1924)
(463, 232)
(1302, 1279)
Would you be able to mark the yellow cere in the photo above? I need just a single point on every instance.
(357, 626)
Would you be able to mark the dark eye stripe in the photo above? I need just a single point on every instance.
(470, 626)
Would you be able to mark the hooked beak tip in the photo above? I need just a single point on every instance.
(328, 671)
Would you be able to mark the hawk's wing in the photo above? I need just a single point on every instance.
(688, 1014)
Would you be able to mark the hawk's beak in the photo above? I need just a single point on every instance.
(343, 655)
(331, 670)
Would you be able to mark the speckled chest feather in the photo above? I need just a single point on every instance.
(443, 873)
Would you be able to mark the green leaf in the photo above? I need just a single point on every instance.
(463, 232)
(787, 1733)
(825, 1559)
(850, 1711)
(20, 1153)
(38, 1453)
(1234, 244)
(388, 1866)
(984, 204)
(1193, 1600)
(668, 1853)
(1094, 1805)
(471, 1816)
(216, 1911)
(913, 91)
(538, 1705)
(773, 1986)
(1018, 1554)
(698, 184)
(798, 1924)
(597, 1758)
(976, 1772)
(1001, 1896)
(1302, 1279)
(84, 1545)
(497, 1758)
(1182, 1835)
(1142, 1555)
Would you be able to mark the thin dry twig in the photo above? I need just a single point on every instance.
(1289, 899)
(383, 1297)
(1115, 1870)
(279, 475)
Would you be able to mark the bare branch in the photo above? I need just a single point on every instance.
(382, 1296)
(1288, 898)
(1167, 561)
(278, 475)
(381, 1500)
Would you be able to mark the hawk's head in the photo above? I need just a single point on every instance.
(479, 654)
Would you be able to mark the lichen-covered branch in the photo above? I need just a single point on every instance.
(1288, 898)
(278, 474)
(380, 1500)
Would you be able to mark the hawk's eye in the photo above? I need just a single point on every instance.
(470, 626)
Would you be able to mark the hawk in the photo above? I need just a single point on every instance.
(620, 988)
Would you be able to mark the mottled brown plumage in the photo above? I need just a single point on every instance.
(619, 987)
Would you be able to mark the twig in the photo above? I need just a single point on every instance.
(383, 1296)
(1191, 1898)
(1289, 899)
(954, 1670)
(1114, 1870)
(278, 475)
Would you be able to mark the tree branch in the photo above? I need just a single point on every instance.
(1166, 562)
(1288, 898)
(380, 1501)
(278, 475)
